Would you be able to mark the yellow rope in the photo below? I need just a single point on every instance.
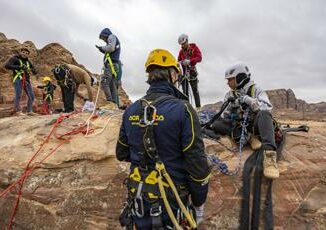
(161, 170)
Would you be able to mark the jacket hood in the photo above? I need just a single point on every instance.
(105, 33)
(166, 88)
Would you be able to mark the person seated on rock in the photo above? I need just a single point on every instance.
(171, 138)
(69, 78)
(48, 92)
(245, 94)
(22, 67)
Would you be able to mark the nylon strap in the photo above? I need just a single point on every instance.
(19, 73)
(48, 96)
(108, 59)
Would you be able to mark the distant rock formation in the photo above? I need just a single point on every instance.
(44, 60)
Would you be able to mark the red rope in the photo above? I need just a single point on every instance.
(29, 170)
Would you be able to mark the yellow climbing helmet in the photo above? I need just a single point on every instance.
(161, 57)
(46, 79)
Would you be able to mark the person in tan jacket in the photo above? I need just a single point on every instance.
(69, 77)
(81, 77)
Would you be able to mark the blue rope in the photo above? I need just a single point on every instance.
(222, 167)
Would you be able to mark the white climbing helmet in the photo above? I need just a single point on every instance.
(234, 70)
(182, 39)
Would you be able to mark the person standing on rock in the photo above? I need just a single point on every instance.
(22, 67)
(160, 136)
(111, 50)
(245, 94)
(48, 93)
(189, 56)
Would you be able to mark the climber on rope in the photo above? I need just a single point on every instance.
(69, 78)
(160, 136)
(112, 65)
(189, 56)
(246, 94)
(22, 67)
(48, 92)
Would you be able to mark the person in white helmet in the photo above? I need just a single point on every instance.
(245, 94)
(189, 56)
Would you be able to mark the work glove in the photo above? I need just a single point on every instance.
(88, 106)
(186, 62)
(252, 102)
(99, 48)
(199, 213)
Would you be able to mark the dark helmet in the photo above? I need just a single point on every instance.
(241, 74)
(105, 33)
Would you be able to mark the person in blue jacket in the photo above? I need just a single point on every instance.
(109, 81)
(179, 145)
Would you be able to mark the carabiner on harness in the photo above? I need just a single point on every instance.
(149, 110)
(156, 211)
(139, 204)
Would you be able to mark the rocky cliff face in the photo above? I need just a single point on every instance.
(80, 186)
(44, 60)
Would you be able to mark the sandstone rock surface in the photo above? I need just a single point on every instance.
(81, 186)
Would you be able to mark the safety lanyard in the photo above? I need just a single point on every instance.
(108, 59)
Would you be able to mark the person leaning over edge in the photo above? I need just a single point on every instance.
(179, 146)
(246, 94)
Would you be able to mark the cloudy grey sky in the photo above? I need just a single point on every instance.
(282, 42)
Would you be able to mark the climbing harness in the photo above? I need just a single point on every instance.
(20, 73)
(222, 167)
(185, 78)
(150, 179)
(108, 59)
(67, 80)
(48, 96)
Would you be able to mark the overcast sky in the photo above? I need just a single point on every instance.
(282, 42)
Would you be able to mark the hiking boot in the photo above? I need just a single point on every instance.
(20, 113)
(31, 114)
(255, 143)
(270, 165)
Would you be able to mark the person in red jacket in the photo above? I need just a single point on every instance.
(189, 56)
